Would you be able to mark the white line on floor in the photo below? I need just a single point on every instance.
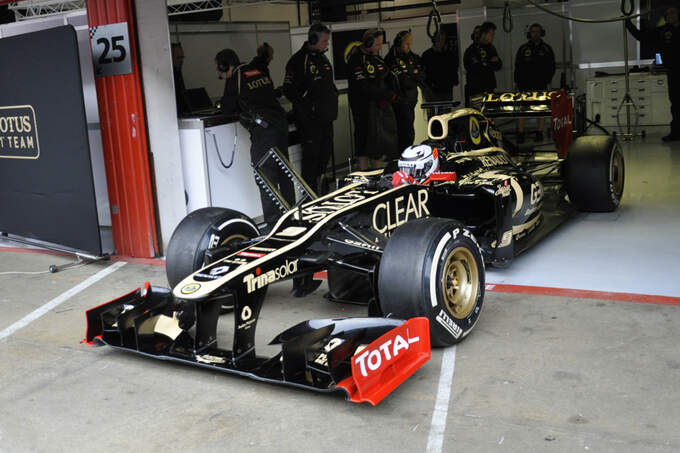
(23, 322)
(441, 406)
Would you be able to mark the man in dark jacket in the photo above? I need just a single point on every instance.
(309, 86)
(249, 92)
(371, 92)
(177, 62)
(667, 40)
(534, 70)
(440, 64)
(406, 66)
(481, 61)
(264, 56)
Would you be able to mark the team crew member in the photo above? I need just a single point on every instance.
(264, 56)
(481, 61)
(249, 92)
(370, 98)
(667, 40)
(474, 36)
(309, 86)
(534, 70)
(440, 63)
(177, 62)
(406, 66)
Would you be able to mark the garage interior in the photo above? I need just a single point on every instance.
(575, 350)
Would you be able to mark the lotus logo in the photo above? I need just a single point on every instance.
(190, 288)
(474, 131)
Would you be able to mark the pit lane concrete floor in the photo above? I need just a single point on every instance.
(632, 250)
(537, 374)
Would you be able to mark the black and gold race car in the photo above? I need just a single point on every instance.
(410, 241)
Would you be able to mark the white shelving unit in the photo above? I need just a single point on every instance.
(648, 91)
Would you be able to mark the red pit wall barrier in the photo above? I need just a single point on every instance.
(124, 137)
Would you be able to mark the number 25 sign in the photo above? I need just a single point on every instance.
(111, 49)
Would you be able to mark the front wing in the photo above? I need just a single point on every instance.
(365, 357)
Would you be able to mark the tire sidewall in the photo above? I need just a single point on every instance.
(446, 329)
(221, 233)
(199, 231)
(614, 150)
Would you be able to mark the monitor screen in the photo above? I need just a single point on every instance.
(198, 99)
(658, 59)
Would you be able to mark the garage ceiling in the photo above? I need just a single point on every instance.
(27, 9)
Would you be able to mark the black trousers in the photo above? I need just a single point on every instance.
(375, 131)
(262, 140)
(317, 147)
(405, 132)
(674, 96)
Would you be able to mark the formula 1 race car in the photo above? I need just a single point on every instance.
(410, 241)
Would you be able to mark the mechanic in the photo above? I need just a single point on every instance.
(406, 66)
(534, 70)
(440, 63)
(264, 56)
(309, 86)
(177, 62)
(481, 61)
(371, 92)
(666, 39)
(474, 36)
(249, 92)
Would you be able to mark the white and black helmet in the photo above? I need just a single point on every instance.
(419, 161)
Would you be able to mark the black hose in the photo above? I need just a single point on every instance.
(434, 18)
(588, 21)
(507, 18)
(629, 11)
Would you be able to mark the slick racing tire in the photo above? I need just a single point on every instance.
(433, 268)
(594, 173)
(204, 229)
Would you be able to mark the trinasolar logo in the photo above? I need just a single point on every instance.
(18, 132)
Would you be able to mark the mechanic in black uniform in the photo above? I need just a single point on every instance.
(371, 92)
(249, 92)
(474, 36)
(534, 70)
(481, 61)
(309, 86)
(264, 56)
(406, 66)
(440, 64)
(177, 62)
(667, 40)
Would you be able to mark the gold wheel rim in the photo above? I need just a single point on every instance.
(617, 173)
(460, 283)
(232, 238)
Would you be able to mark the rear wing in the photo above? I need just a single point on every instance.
(558, 105)
(513, 104)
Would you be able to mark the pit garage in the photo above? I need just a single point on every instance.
(574, 349)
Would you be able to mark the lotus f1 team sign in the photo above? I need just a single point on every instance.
(18, 132)
(111, 49)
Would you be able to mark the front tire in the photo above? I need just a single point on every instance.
(594, 173)
(204, 229)
(433, 267)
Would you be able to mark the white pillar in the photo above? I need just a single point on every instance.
(161, 116)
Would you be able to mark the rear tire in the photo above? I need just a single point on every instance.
(204, 229)
(433, 267)
(594, 173)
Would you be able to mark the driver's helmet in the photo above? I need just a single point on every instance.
(419, 162)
